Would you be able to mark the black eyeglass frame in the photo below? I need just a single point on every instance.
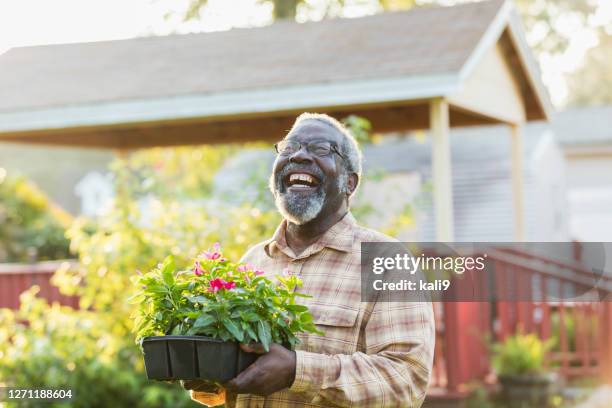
(333, 147)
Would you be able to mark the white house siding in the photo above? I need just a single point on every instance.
(482, 187)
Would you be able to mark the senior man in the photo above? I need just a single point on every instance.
(373, 354)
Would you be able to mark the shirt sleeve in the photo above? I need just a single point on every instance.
(394, 371)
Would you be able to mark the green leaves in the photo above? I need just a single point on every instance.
(263, 332)
(167, 270)
(297, 308)
(204, 321)
(520, 354)
(233, 329)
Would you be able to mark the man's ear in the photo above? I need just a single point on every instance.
(353, 180)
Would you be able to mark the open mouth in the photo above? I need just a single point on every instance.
(301, 182)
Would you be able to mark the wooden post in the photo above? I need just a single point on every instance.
(518, 201)
(605, 332)
(441, 169)
(454, 345)
(122, 153)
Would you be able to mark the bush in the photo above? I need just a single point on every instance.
(520, 354)
(72, 350)
(31, 228)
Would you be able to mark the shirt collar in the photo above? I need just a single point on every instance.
(339, 237)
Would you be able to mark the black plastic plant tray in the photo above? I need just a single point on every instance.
(194, 357)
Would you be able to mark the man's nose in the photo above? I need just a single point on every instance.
(301, 155)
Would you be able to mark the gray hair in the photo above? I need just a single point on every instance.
(349, 148)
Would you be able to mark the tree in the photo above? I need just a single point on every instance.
(592, 84)
(282, 9)
(543, 19)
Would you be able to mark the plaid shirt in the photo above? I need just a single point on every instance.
(373, 354)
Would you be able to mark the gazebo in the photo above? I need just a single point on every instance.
(430, 68)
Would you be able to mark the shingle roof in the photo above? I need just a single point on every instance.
(420, 42)
(582, 126)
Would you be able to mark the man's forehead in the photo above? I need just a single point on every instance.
(314, 129)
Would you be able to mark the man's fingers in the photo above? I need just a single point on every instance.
(253, 348)
(189, 384)
(200, 385)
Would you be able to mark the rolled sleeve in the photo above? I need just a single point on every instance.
(309, 371)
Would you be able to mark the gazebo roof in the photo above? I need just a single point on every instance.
(248, 84)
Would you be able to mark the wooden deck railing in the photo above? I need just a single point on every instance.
(582, 326)
(16, 278)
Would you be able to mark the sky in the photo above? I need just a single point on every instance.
(39, 22)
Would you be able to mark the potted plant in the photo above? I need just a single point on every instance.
(520, 369)
(190, 321)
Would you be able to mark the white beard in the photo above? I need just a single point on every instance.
(300, 210)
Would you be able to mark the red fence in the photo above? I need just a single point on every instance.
(16, 278)
(463, 329)
(582, 328)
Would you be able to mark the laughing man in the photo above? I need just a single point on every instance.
(373, 354)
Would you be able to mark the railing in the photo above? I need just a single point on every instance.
(16, 278)
(582, 327)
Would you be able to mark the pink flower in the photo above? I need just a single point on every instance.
(211, 255)
(258, 272)
(245, 267)
(219, 283)
(216, 284)
(197, 270)
(214, 254)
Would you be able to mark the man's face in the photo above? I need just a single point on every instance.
(307, 186)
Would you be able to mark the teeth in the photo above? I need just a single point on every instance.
(301, 177)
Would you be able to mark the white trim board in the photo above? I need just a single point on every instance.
(232, 103)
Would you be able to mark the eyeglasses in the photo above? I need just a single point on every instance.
(320, 148)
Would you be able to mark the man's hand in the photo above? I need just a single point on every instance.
(201, 386)
(205, 392)
(272, 372)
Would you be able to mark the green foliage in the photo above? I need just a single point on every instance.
(189, 170)
(479, 398)
(111, 250)
(361, 128)
(72, 350)
(222, 300)
(520, 354)
(31, 228)
(569, 328)
(543, 16)
(592, 83)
